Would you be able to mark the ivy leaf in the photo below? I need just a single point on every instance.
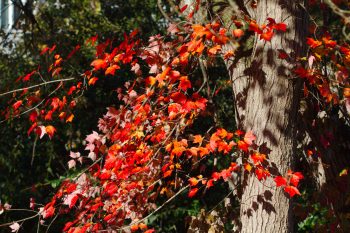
(291, 190)
(280, 181)
(192, 192)
(99, 64)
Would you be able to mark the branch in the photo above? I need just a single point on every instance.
(160, 7)
(38, 85)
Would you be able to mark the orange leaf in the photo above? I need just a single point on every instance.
(70, 118)
(50, 130)
(258, 158)
(267, 35)
(167, 173)
(111, 70)
(247, 167)
(193, 181)
(92, 80)
(214, 50)
(99, 64)
(197, 139)
(238, 33)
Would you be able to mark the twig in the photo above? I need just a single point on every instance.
(38, 85)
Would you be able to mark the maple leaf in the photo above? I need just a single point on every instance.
(193, 181)
(184, 83)
(48, 212)
(197, 139)
(210, 183)
(238, 33)
(258, 158)
(14, 227)
(313, 43)
(243, 146)
(134, 227)
(291, 190)
(280, 27)
(295, 177)
(167, 173)
(280, 181)
(70, 118)
(249, 137)
(99, 64)
(17, 104)
(111, 70)
(253, 26)
(50, 130)
(92, 81)
(216, 176)
(247, 167)
(261, 173)
(267, 36)
(214, 50)
(40, 131)
(71, 164)
(192, 192)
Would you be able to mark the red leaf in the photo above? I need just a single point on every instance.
(17, 105)
(280, 181)
(184, 83)
(313, 43)
(282, 55)
(295, 177)
(243, 146)
(261, 173)
(183, 8)
(49, 212)
(192, 192)
(292, 191)
(73, 201)
(280, 27)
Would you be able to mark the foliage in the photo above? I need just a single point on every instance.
(162, 133)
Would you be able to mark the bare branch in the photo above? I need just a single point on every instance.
(38, 85)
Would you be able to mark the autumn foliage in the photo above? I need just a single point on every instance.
(144, 148)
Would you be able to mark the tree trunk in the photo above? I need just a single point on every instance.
(270, 110)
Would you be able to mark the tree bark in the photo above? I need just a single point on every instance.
(270, 110)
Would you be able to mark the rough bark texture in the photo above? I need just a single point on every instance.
(270, 109)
